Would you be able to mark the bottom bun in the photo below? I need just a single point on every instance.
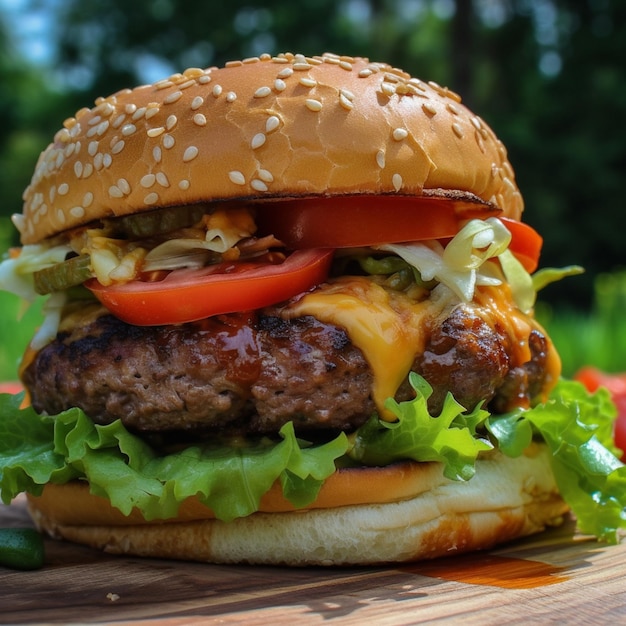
(507, 498)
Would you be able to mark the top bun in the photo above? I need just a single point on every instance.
(268, 127)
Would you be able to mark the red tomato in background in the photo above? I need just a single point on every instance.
(11, 387)
(593, 378)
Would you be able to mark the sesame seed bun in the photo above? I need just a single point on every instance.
(417, 514)
(269, 127)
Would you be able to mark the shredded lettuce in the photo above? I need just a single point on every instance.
(467, 261)
(577, 427)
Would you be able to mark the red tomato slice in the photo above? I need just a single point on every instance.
(190, 295)
(525, 244)
(594, 378)
(353, 221)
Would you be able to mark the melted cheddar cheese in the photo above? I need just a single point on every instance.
(385, 325)
(391, 329)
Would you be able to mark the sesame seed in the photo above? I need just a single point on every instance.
(87, 170)
(155, 132)
(130, 108)
(280, 85)
(203, 80)
(190, 154)
(345, 65)
(313, 105)
(151, 198)
(364, 73)
(453, 108)
(52, 192)
(115, 192)
(92, 148)
(265, 176)
(236, 177)
(168, 141)
(62, 136)
(157, 154)
(152, 111)
(262, 92)
(147, 181)
(118, 147)
(458, 131)
(396, 181)
(307, 81)
(163, 84)
(61, 216)
(258, 185)
(96, 119)
(97, 160)
(184, 184)
(346, 93)
(400, 133)
(171, 121)
(193, 72)
(122, 183)
(173, 97)
(118, 121)
(217, 90)
(162, 179)
(388, 89)
(257, 141)
(285, 72)
(345, 103)
(187, 84)
(302, 66)
(128, 129)
(63, 189)
(107, 159)
(231, 96)
(272, 123)
(199, 119)
(138, 114)
(87, 199)
(429, 108)
(380, 159)
(196, 103)
(77, 211)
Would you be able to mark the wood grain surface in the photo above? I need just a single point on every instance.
(557, 577)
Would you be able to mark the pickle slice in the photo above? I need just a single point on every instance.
(159, 222)
(74, 271)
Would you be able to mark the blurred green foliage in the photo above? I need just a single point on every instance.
(597, 336)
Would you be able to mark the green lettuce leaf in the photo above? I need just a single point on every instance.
(450, 438)
(231, 480)
(577, 427)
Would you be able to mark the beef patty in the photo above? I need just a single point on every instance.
(254, 372)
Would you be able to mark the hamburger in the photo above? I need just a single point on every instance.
(289, 320)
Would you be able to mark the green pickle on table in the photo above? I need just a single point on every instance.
(21, 548)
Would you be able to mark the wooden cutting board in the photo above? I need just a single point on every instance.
(558, 576)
